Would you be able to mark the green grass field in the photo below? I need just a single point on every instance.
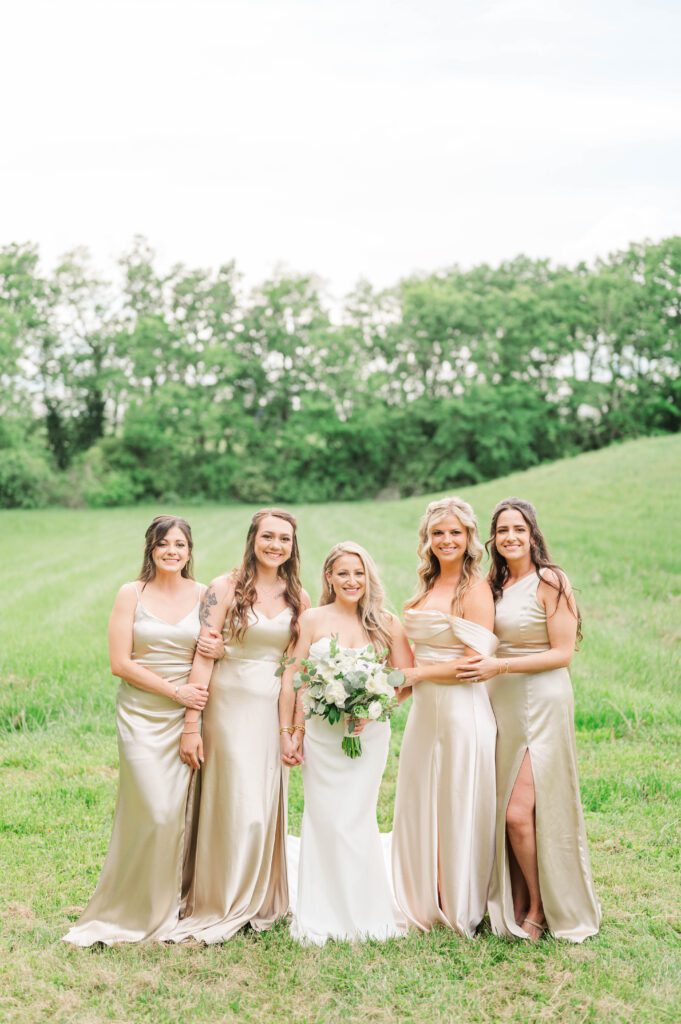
(612, 519)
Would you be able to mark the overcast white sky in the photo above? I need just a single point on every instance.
(345, 137)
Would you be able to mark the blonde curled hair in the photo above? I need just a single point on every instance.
(373, 616)
(429, 566)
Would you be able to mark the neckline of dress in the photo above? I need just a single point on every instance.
(342, 646)
(527, 576)
(433, 611)
(167, 622)
(273, 618)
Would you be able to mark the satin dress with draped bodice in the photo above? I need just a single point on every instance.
(147, 871)
(535, 713)
(240, 876)
(343, 886)
(443, 829)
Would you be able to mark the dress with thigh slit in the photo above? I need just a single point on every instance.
(535, 713)
(443, 829)
(240, 875)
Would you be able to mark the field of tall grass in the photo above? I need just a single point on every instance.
(612, 520)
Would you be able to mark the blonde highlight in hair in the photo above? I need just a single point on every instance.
(373, 616)
(245, 593)
(429, 566)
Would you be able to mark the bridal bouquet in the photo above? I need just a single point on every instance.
(357, 684)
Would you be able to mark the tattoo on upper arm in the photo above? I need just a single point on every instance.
(208, 601)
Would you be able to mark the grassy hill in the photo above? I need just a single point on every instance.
(611, 518)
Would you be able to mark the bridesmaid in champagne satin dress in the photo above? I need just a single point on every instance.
(443, 830)
(240, 875)
(146, 873)
(542, 874)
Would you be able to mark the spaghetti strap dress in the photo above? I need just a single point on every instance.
(147, 870)
(535, 713)
(240, 876)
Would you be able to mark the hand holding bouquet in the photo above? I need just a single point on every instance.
(355, 683)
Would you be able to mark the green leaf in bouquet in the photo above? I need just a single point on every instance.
(284, 663)
(396, 678)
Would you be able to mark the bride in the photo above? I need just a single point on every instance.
(343, 891)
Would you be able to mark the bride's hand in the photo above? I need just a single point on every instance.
(287, 748)
(359, 726)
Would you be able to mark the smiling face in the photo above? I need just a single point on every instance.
(273, 542)
(347, 578)
(448, 540)
(172, 551)
(512, 536)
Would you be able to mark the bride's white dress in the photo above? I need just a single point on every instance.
(343, 889)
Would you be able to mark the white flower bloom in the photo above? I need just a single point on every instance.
(375, 710)
(334, 693)
(308, 701)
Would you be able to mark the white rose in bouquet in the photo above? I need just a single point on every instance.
(375, 710)
(309, 702)
(379, 686)
(334, 693)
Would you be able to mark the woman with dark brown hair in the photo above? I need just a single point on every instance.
(542, 877)
(153, 633)
(240, 874)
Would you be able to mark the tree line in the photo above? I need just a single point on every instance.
(184, 384)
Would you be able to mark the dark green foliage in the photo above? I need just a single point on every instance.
(178, 384)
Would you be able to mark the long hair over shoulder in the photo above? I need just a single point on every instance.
(156, 531)
(373, 616)
(245, 594)
(429, 566)
(539, 553)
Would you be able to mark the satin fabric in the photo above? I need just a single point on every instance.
(443, 830)
(343, 887)
(535, 712)
(148, 867)
(240, 875)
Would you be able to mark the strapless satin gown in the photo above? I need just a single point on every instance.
(443, 829)
(535, 712)
(240, 876)
(147, 870)
(343, 887)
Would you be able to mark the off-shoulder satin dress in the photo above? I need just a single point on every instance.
(535, 712)
(147, 870)
(343, 885)
(443, 829)
(240, 875)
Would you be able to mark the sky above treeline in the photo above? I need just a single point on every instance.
(350, 138)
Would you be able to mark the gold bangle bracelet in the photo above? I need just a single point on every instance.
(286, 728)
(299, 728)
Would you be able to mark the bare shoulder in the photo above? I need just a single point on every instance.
(305, 599)
(312, 614)
(478, 594)
(556, 578)
(126, 596)
(221, 588)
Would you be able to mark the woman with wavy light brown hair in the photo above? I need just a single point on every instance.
(153, 633)
(240, 875)
(443, 831)
(542, 876)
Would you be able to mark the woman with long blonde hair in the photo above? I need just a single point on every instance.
(443, 831)
(343, 889)
(240, 875)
